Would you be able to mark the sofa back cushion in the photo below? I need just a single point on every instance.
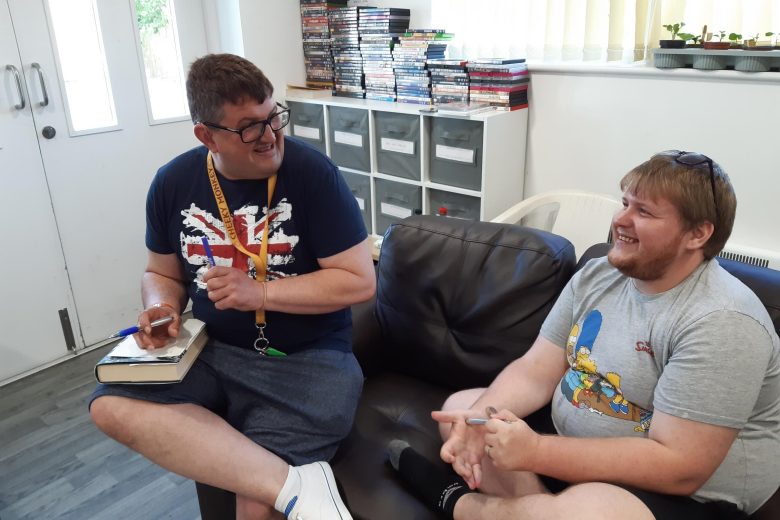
(458, 300)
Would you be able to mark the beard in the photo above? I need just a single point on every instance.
(643, 266)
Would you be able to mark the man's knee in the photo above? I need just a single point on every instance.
(109, 413)
(103, 413)
(462, 399)
(458, 401)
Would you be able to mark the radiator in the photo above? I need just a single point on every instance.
(752, 255)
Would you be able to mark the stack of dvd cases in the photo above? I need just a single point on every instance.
(449, 81)
(415, 48)
(345, 44)
(380, 29)
(316, 42)
(501, 82)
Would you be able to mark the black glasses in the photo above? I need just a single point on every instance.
(253, 131)
(694, 159)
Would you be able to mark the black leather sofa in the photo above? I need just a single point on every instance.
(456, 302)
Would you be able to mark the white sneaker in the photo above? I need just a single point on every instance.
(319, 498)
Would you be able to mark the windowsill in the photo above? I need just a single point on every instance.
(642, 69)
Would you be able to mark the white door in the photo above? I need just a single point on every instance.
(34, 286)
(97, 178)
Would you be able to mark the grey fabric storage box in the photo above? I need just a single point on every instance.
(456, 152)
(458, 206)
(398, 144)
(349, 146)
(394, 202)
(308, 123)
(360, 185)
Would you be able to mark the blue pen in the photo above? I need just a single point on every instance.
(209, 254)
(135, 328)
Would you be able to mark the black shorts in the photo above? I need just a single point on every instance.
(663, 507)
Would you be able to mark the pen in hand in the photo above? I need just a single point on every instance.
(478, 421)
(207, 248)
(135, 328)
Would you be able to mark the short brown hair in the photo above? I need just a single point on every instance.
(689, 189)
(216, 79)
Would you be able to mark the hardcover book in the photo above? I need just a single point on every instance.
(129, 363)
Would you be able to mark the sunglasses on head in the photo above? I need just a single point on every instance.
(695, 159)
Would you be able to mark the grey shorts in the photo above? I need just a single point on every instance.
(298, 406)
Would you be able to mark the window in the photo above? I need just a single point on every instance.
(606, 30)
(82, 62)
(158, 39)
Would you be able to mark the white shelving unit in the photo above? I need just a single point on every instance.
(474, 165)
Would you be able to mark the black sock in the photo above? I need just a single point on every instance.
(440, 489)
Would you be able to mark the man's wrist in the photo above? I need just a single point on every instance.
(537, 453)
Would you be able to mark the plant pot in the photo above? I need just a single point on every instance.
(693, 46)
(717, 46)
(672, 44)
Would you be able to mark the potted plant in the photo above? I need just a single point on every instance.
(695, 40)
(750, 43)
(673, 43)
(735, 39)
(717, 45)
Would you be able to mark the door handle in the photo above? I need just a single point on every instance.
(37, 68)
(22, 101)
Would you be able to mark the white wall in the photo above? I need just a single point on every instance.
(273, 41)
(223, 26)
(587, 129)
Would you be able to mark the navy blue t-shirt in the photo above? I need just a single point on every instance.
(313, 215)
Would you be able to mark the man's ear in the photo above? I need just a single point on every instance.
(700, 234)
(205, 136)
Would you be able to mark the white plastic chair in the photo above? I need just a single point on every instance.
(584, 218)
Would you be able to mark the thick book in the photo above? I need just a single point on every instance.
(128, 363)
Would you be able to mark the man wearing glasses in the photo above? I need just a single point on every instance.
(661, 371)
(261, 232)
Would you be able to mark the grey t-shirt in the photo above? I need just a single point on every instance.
(705, 350)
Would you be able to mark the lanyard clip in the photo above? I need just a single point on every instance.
(261, 343)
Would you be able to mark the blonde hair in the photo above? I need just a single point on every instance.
(689, 188)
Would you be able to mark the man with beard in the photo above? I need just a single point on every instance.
(661, 371)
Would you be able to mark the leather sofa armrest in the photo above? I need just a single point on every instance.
(215, 503)
(367, 338)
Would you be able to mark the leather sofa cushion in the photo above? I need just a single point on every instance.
(457, 300)
(393, 406)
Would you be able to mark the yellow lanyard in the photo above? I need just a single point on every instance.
(261, 261)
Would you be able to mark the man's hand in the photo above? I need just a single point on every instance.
(149, 337)
(510, 442)
(231, 288)
(465, 446)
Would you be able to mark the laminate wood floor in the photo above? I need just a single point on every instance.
(54, 463)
